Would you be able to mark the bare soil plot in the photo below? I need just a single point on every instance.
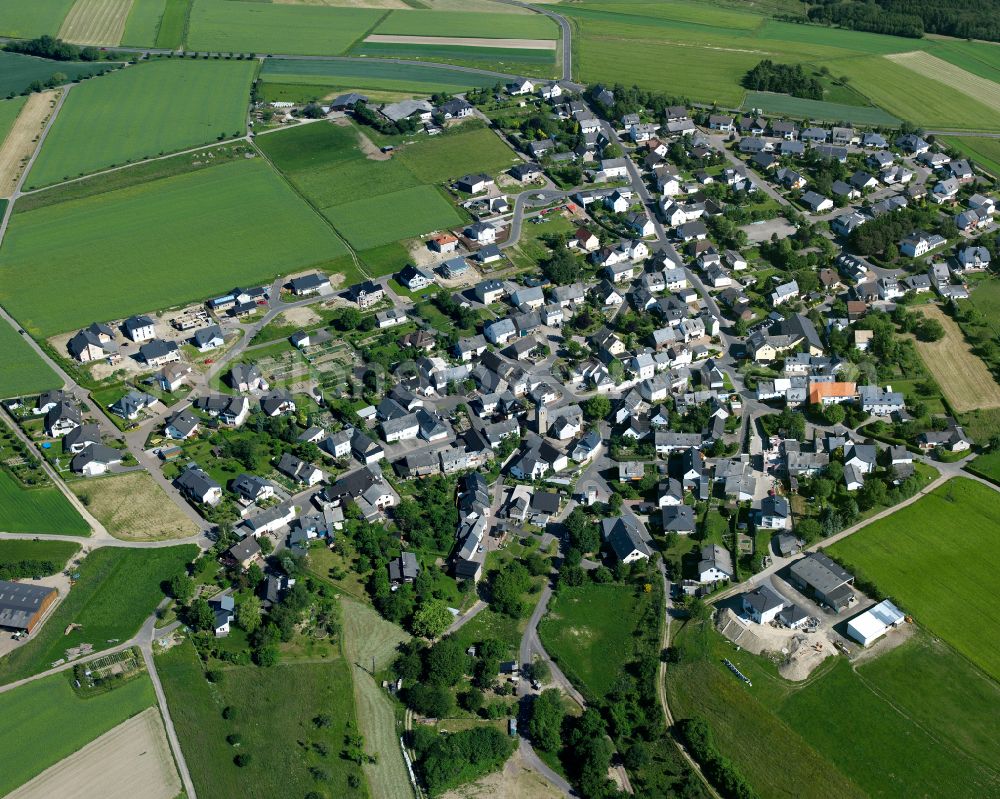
(963, 377)
(20, 142)
(463, 41)
(515, 779)
(134, 508)
(130, 761)
(96, 21)
(978, 88)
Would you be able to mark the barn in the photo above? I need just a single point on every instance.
(22, 606)
(871, 625)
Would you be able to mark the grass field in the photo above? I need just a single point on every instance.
(173, 24)
(143, 23)
(513, 60)
(326, 163)
(55, 551)
(123, 117)
(588, 631)
(368, 636)
(37, 510)
(787, 105)
(117, 591)
(985, 153)
(9, 109)
(944, 534)
(239, 217)
(986, 465)
(133, 507)
(929, 66)
(22, 371)
(371, 76)
(276, 28)
(95, 22)
(18, 71)
(49, 710)
(472, 25)
(269, 705)
(25, 20)
(963, 376)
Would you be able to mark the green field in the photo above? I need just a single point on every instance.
(18, 71)
(483, 25)
(9, 109)
(275, 28)
(588, 631)
(173, 24)
(117, 591)
(269, 705)
(512, 60)
(787, 105)
(987, 465)
(14, 551)
(371, 76)
(123, 117)
(403, 214)
(929, 558)
(49, 711)
(37, 510)
(984, 152)
(25, 20)
(143, 22)
(398, 200)
(199, 233)
(22, 371)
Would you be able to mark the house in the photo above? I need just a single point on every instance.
(763, 604)
(537, 459)
(92, 343)
(945, 190)
(879, 402)
(396, 112)
(245, 553)
(403, 428)
(521, 86)
(816, 203)
(228, 410)
(614, 168)
(715, 564)
(624, 538)
(95, 460)
(208, 338)
(875, 622)
(81, 437)
(489, 291)
(181, 425)
(721, 122)
(299, 470)
(366, 294)
(539, 148)
(390, 318)
(775, 513)
(692, 231)
(277, 403)
(671, 493)
(247, 377)
(678, 519)
(474, 184)
(252, 488)
(862, 181)
(195, 484)
(403, 569)
(172, 376)
(366, 488)
(784, 293)
(139, 328)
(500, 332)
(442, 243)
(586, 447)
(415, 278)
(308, 285)
(156, 353)
(456, 108)
(269, 520)
(829, 582)
(973, 258)
(132, 404)
(525, 172)
(826, 393)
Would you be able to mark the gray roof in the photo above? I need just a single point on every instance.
(714, 556)
(19, 602)
(763, 599)
(822, 573)
(95, 453)
(624, 537)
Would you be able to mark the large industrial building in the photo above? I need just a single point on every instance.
(22, 605)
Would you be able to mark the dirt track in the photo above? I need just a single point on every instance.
(131, 761)
(519, 44)
(20, 142)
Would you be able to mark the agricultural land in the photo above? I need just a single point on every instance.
(24, 371)
(37, 510)
(133, 507)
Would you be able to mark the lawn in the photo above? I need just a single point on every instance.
(22, 370)
(443, 158)
(124, 117)
(403, 214)
(50, 711)
(133, 507)
(588, 632)
(116, 592)
(268, 705)
(37, 510)
(199, 233)
(277, 28)
(928, 558)
(482, 25)
(985, 153)
(143, 23)
(18, 71)
(372, 76)
(60, 552)
(25, 20)
(987, 465)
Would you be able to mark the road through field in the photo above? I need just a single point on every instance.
(130, 761)
(20, 142)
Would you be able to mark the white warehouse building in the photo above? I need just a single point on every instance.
(875, 622)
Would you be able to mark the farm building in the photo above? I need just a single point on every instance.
(22, 606)
(875, 622)
(830, 582)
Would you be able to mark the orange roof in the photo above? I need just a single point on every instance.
(444, 238)
(819, 391)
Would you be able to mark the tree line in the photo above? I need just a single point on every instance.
(964, 19)
(54, 49)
